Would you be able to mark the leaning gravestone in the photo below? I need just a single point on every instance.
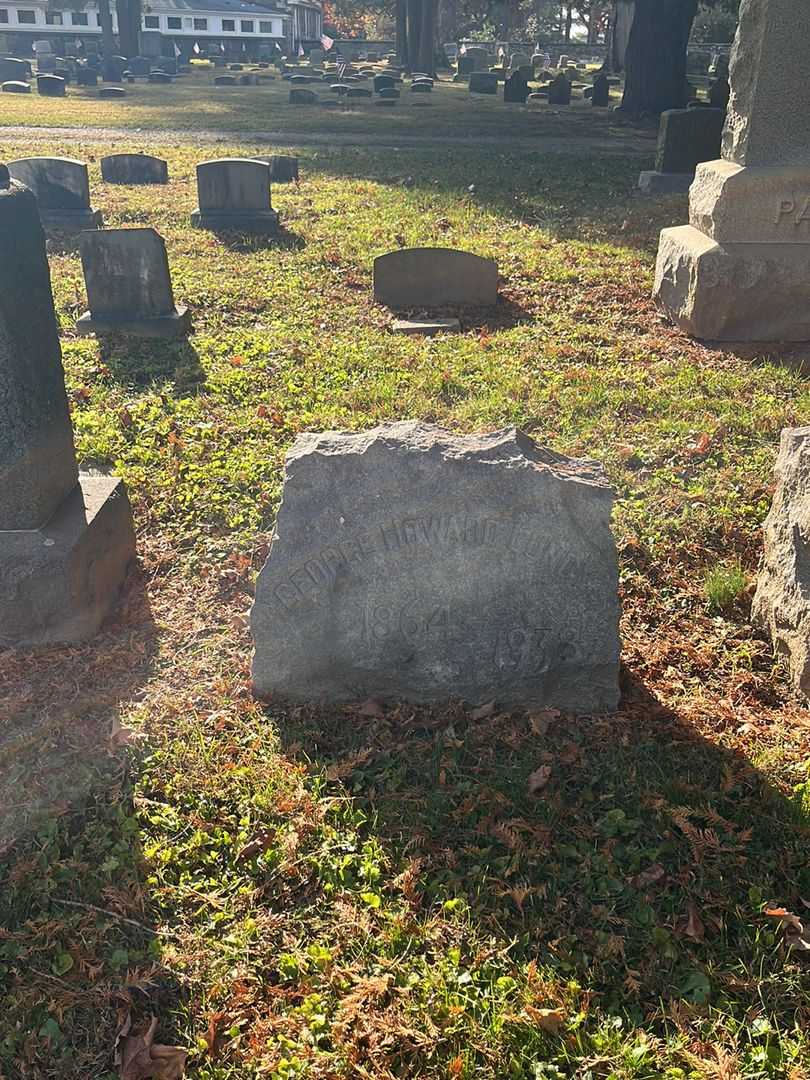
(686, 137)
(600, 97)
(283, 169)
(739, 270)
(411, 563)
(234, 193)
(782, 602)
(134, 169)
(62, 190)
(66, 537)
(129, 286)
(433, 277)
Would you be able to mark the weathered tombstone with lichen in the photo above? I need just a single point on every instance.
(412, 563)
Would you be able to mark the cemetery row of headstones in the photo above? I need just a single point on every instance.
(127, 274)
(408, 562)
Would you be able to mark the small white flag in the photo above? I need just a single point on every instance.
(177, 53)
(462, 51)
(327, 42)
(501, 53)
(196, 49)
(300, 50)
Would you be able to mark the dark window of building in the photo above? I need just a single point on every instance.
(173, 22)
(265, 27)
(3, 15)
(53, 18)
(228, 25)
(247, 26)
(28, 18)
(201, 24)
(151, 22)
(79, 18)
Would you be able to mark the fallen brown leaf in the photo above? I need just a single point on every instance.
(540, 721)
(483, 711)
(256, 845)
(694, 927)
(371, 708)
(143, 1059)
(550, 1020)
(539, 778)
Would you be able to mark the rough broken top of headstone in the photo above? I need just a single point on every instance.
(412, 563)
(782, 602)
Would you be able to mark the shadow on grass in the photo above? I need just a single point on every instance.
(139, 361)
(76, 930)
(283, 239)
(640, 869)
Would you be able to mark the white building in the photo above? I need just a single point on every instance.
(235, 27)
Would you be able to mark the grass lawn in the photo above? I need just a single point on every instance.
(368, 893)
(193, 103)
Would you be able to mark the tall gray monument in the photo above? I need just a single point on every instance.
(412, 563)
(740, 270)
(66, 538)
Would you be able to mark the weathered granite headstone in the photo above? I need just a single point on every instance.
(51, 85)
(224, 80)
(112, 92)
(483, 82)
(421, 87)
(388, 93)
(465, 66)
(65, 538)
(234, 193)
(516, 89)
(283, 169)
(686, 137)
(13, 70)
(559, 90)
(479, 58)
(782, 602)
(740, 271)
(303, 97)
(411, 563)
(86, 76)
(15, 88)
(129, 286)
(160, 78)
(134, 169)
(384, 82)
(600, 98)
(432, 277)
(62, 190)
(356, 92)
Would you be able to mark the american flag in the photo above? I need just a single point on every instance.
(341, 69)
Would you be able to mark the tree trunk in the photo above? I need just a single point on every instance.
(402, 33)
(107, 39)
(656, 56)
(427, 39)
(129, 26)
(414, 33)
(569, 21)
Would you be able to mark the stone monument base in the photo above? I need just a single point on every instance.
(71, 221)
(652, 182)
(177, 324)
(734, 291)
(426, 327)
(262, 222)
(60, 581)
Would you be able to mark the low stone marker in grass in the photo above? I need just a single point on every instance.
(686, 137)
(234, 194)
(433, 277)
(134, 169)
(303, 97)
(129, 286)
(66, 537)
(559, 90)
(14, 87)
(414, 564)
(62, 190)
(782, 602)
